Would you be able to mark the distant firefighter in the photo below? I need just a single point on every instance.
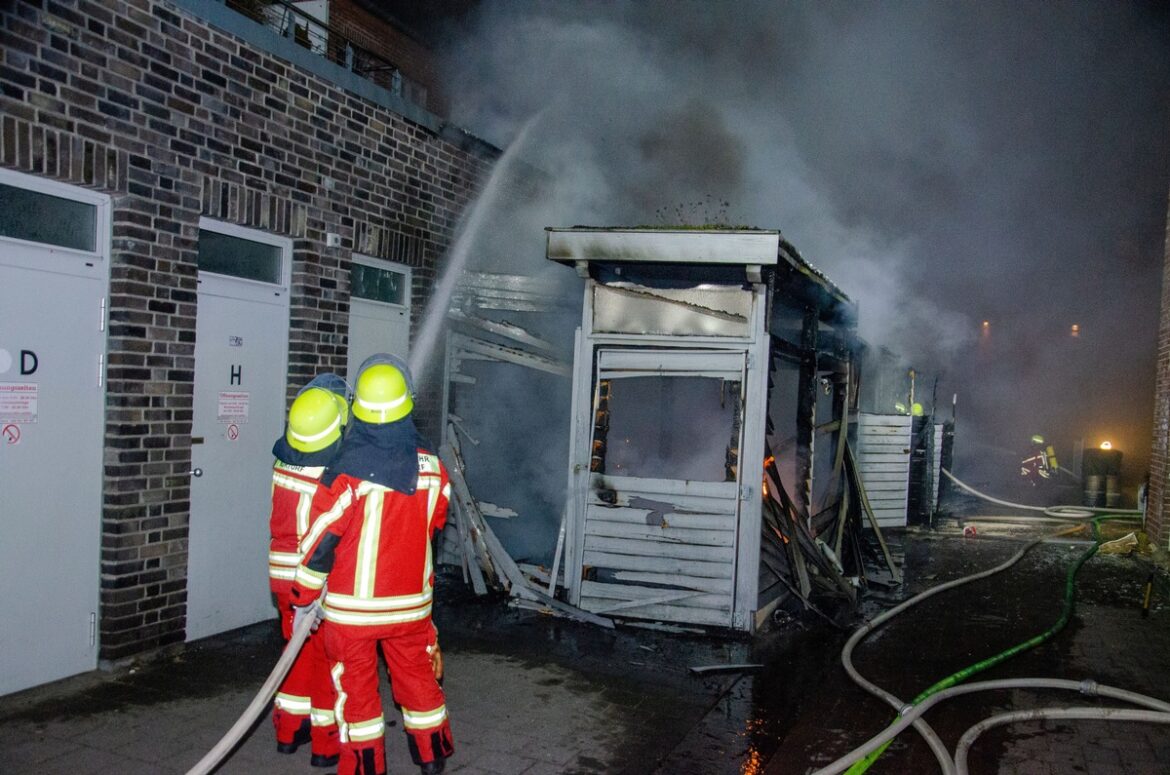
(1041, 463)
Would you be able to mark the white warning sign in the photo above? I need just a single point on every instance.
(233, 407)
(18, 402)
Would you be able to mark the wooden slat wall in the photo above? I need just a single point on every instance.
(668, 549)
(883, 460)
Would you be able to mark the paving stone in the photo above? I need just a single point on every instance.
(528, 703)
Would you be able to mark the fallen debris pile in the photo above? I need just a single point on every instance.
(804, 562)
(485, 561)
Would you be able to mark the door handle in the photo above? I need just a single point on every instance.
(196, 472)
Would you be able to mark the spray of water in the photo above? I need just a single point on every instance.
(459, 253)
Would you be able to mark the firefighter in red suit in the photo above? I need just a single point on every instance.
(303, 707)
(377, 559)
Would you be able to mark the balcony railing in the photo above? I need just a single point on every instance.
(295, 23)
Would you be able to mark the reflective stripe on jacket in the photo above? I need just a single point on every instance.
(298, 500)
(377, 553)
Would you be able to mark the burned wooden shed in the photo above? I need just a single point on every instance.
(713, 393)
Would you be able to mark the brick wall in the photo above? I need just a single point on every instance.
(175, 119)
(1158, 510)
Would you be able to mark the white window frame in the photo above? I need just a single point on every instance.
(218, 284)
(383, 264)
(54, 258)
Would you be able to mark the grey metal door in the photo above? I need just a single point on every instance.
(379, 311)
(52, 344)
(241, 355)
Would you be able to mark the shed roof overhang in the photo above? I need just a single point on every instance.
(758, 252)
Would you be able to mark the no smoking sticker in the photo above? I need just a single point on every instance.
(11, 434)
(233, 432)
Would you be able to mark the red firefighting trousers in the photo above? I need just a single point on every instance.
(307, 693)
(353, 652)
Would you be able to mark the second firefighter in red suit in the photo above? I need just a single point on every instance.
(377, 559)
(303, 707)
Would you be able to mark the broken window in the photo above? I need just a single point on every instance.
(654, 427)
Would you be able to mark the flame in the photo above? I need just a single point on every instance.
(754, 762)
(1106, 445)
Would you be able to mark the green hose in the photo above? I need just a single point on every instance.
(862, 765)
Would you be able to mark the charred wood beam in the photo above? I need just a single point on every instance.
(824, 519)
(832, 363)
(782, 348)
(841, 413)
(842, 518)
(828, 358)
(806, 407)
(782, 527)
(780, 515)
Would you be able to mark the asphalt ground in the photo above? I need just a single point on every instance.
(532, 693)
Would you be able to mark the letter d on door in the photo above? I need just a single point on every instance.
(25, 357)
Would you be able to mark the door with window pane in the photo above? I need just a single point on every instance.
(241, 366)
(54, 243)
(379, 311)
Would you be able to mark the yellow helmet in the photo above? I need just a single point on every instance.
(381, 395)
(342, 408)
(314, 420)
(335, 385)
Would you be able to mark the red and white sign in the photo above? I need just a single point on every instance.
(18, 402)
(233, 432)
(10, 434)
(233, 407)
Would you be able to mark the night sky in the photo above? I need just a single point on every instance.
(944, 163)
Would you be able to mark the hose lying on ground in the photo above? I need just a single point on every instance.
(1091, 714)
(230, 740)
(860, 634)
(1062, 513)
(910, 714)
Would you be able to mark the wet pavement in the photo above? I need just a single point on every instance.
(534, 694)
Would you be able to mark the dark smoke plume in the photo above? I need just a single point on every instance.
(945, 163)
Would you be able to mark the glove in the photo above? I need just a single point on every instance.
(312, 609)
(436, 656)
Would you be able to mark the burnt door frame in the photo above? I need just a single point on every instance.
(753, 348)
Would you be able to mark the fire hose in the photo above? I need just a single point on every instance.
(912, 713)
(234, 735)
(859, 762)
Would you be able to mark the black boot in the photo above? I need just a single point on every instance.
(303, 735)
(321, 760)
(433, 768)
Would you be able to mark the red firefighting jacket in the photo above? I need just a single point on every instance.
(376, 553)
(298, 500)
